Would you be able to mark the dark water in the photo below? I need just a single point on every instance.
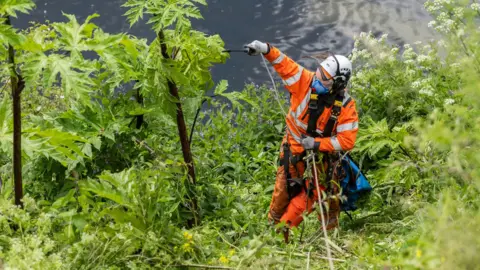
(298, 27)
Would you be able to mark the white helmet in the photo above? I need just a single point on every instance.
(338, 66)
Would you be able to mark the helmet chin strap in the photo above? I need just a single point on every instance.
(339, 81)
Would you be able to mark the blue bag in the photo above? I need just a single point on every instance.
(354, 185)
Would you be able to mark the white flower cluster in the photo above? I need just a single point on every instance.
(428, 91)
(449, 101)
(422, 83)
(410, 72)
(475, 6)
(424, 59)
(360, 54)
(450, 15)
(367, 46)
(441, 43)
(408, 53)
(435, 5)
(416, 84)
(459, 12)
(455, 65)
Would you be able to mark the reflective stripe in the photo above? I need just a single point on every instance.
(294, 136)
(336, 144)
(345, 99)
(298, 122)
(346, 127)
(278, 60)
(295, 78)
(301, 107)
(320, 132)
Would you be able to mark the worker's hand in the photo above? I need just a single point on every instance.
(309, 143)
(257, 47)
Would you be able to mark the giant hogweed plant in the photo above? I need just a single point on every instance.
(78, 121)
(176, 74)
(49, 58)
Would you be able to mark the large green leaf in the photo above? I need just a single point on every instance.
(75, 79)
(33, 69)
(136, 10)
(72, 35)
(104, 190)
(64, 147)
(8, 35)
(121, 216)
(221, 87)
(11, 7)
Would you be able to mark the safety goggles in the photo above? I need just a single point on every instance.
(327, 82)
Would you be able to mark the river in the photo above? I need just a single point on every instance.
(298, 27)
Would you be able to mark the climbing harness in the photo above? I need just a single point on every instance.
(294, 185)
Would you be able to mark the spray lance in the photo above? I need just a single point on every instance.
(230, 51)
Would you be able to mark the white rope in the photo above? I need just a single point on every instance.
(277, 96)
(327, 244)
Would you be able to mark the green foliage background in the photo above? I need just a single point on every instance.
(101, 194)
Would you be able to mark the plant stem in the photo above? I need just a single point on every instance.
(202, 266)
(139, 99)
(312, 255)
(308, 261)
(18, 84)
(182, 132)
(195, 120)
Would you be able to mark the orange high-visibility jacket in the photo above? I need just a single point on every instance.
(298, 80)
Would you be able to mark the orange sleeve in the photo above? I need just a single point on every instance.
(345, 131)
(295, 77)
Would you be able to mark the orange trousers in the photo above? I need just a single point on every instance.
(290, 212)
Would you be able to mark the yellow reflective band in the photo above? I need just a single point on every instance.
(314, 96)
(338, 103)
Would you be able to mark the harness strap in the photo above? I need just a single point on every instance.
(316, 106)
(286, 166)
(315, 109)
(297, 158)
(336, 109)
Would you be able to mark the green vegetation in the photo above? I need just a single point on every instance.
(105, 170)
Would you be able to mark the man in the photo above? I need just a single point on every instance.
(322, 118)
